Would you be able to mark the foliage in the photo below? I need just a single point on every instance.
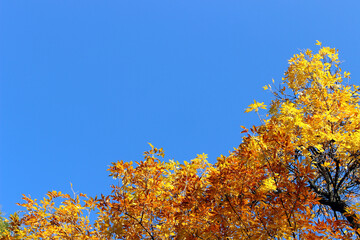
(4, 226)
(296, 176)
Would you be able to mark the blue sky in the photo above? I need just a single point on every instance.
(85, 83)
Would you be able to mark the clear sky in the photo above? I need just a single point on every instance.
(84, 83)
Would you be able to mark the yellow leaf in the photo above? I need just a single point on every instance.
(326, 164)
(255, 106)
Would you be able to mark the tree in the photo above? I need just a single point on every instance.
(295, 176)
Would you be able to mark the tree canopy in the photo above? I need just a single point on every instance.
(294, 176)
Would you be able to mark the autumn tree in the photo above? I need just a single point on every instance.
(294, 176)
